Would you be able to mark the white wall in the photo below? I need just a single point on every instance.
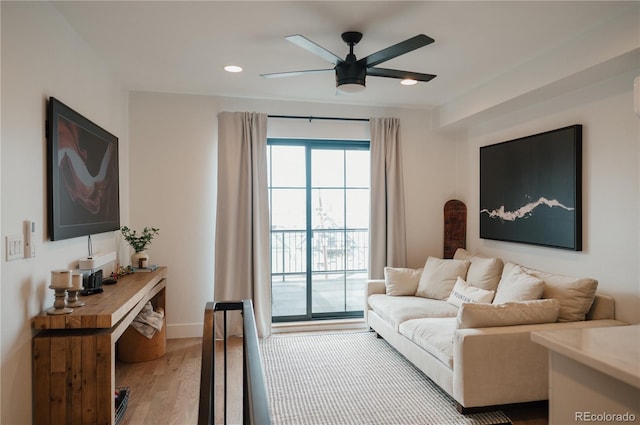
(173, 182)
(173, 188)
(611, 190)
(41, 57)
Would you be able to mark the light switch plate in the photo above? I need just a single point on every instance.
(15, 247)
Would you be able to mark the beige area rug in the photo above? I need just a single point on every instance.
(354, 378)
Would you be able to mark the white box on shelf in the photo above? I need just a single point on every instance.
(97, 260)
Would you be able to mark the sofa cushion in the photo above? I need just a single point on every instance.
(439, 276)
(432, 335)
(508, 314)
(518, 285)
(484, 272)
(464, 293)
(395, 310)
(575, 295)
(401, 281)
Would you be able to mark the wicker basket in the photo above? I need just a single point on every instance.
(133, 347)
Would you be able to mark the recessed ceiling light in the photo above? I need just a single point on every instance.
(408, 82)
(233, 68)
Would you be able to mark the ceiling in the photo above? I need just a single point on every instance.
(182, 46)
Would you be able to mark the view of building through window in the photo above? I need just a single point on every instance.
(319, 203)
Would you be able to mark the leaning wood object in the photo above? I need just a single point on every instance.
(74, 354)
(455, 227)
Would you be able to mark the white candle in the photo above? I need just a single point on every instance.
(61, 279)
(76, 281)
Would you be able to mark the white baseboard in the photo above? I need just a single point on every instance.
(194, 330)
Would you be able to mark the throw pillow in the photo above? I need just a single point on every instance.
(575, 295)
(464, 293)
(518, 285)
(508, 314)
(401, 281)
(439, 276)
(484, 272)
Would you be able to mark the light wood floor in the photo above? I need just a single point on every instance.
(166, 391)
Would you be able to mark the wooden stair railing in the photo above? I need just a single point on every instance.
(255, 405)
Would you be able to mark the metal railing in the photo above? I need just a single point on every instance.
(331, 250)
(255, 405)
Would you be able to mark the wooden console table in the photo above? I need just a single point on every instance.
(74, 355)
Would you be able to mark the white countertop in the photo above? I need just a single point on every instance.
(614, 351)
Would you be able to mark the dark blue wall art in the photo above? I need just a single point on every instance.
(531, 189)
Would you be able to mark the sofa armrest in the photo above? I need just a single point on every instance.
(501, 365)
(373, 286)
(602, 308)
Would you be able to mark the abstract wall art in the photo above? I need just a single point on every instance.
(83, 186)
(531, 189)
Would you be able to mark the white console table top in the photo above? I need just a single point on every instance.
(614, 351)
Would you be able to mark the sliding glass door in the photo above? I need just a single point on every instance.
(319, 202)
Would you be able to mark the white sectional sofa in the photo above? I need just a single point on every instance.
(466, 323)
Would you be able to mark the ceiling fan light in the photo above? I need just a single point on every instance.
(350, 77)
(351, 88)
(408, 82)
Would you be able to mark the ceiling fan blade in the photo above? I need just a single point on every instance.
(396, 50)
(396, 73)
(314, 48)
(294, 73)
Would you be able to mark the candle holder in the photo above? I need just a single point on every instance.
(76, 286)
(72, 298)
(59, 304)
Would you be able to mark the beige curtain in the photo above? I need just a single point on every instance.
(387, 228)
(242, 257)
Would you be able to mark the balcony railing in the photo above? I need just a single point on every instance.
(332, 250)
